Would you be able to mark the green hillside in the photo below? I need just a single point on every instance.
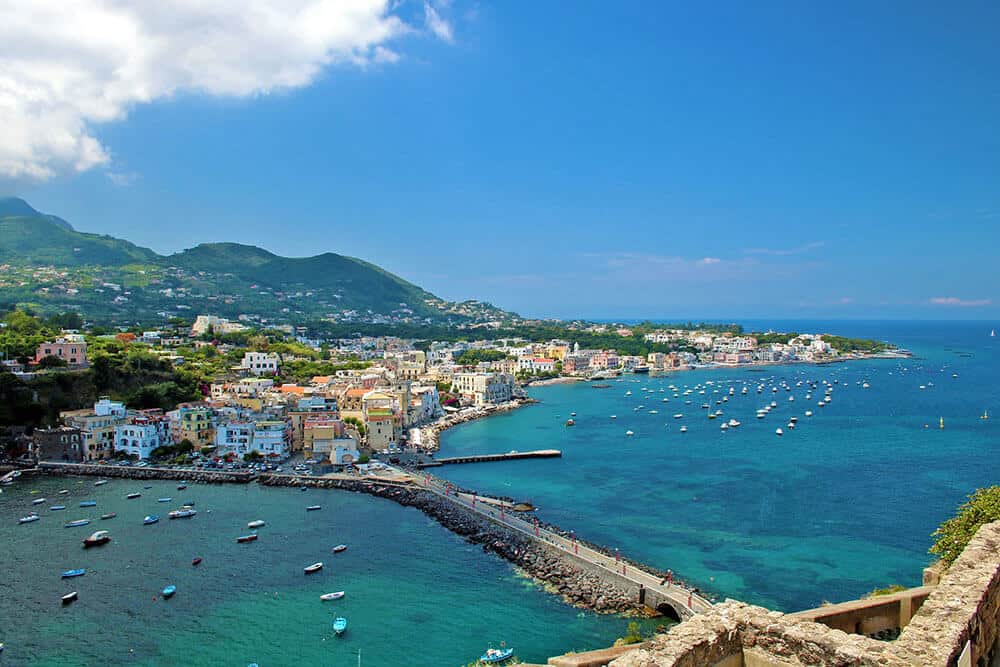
(50, 267)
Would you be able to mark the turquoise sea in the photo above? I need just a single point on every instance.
(839, 506)
(843, 504)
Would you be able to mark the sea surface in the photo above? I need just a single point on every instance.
(843, 504)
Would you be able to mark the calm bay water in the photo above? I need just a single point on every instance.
(841, 505)
(412, 587)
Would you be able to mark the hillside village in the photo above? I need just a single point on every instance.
(259, 404)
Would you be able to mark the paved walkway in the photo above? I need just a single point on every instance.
(681, 596)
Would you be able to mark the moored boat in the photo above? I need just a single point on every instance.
(315, 567)
(246, 538)
(196, 560)
(163, 500)
(28, 519)
(109, 515)
(63, 492)
(88, 503)
(331, 596)
(133, 496)
(778, 431)
(56, 508)
(97, 538)
(340, 547)
(183, 513)
(181, 487)
(256, 524)
(570, 422)
(38, 501)
(69, 597)
(312, 508)
(496, 655)
(77, 523)
(69, 574)
(169, 591)
(340, 625)
(100, 482)
(149, 519)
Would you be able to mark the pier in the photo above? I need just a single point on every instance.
(483, 458)
(649, 589)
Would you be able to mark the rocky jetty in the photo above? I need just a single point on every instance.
(547, 567)
(132, 472)
(430, 435)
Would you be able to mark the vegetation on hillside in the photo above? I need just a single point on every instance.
(473, 357)
(953, 535)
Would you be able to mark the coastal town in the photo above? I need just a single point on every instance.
(387, 395)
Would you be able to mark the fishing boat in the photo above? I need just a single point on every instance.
(88, 503)
(315, 567)
(133, 496)
(169, 591)
(77, 523)
(163, 500)
(38, 501)
(313, 508)
(69, 597)
(340, 547)
(149, 519)
(246, 538)
(196, 561)
(56, 508)
(496, 655)
(100, 482)
(97, 538)
(28, 519)
(331, 596)
(340, 625)
(69, 574)
(183, 513)
(109, 515)
(255, 524)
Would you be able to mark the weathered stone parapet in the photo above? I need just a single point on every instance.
(957, 626)
(964, 608)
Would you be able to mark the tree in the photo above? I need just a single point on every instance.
(253, 456)
(953, 535)
(52, 361)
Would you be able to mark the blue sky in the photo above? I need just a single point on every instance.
(787, 159)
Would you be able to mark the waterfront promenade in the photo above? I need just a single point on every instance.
(650, 588)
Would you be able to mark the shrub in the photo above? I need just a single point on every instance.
(953, 535)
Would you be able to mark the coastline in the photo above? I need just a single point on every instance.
(430, 434)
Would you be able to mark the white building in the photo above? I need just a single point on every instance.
(484, 388)
(204, 323)
(235, 438)
(139, 436)
(272, 438)
(260, 363)
(536, 365)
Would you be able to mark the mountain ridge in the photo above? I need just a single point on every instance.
(57, 267)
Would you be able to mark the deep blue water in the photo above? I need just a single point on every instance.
(843, 504)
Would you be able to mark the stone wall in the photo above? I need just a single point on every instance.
(960, 617)
(133, 472)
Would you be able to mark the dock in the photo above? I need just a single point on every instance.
(483, 458)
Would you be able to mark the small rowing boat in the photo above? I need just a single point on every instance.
(77, 523)
(56, 508)
(255, 524)
(28, 519)
(163, 500)
(100, 482)
(88, 503)
(331, 596)
(169, 591)
(315, 567)
(69, 574)
(340, 547)
(69, 597)
(96, 539)
(196, 560)
(109, 515)
(150, 519)
(38, 501)
(133, 496)
(312, 508)
(246, 538)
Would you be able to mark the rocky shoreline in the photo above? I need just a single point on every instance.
(546, 567)
(430, 434)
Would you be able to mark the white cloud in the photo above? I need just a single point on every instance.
(781, 252)
(955, 301)
(436, 24)
(709, 260)
(66, 67)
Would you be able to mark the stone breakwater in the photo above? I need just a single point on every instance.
(579, 588)
(430, 435)
(131, 472)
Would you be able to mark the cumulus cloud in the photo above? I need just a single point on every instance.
(955, 301)
(122, 178)
(66, 67)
